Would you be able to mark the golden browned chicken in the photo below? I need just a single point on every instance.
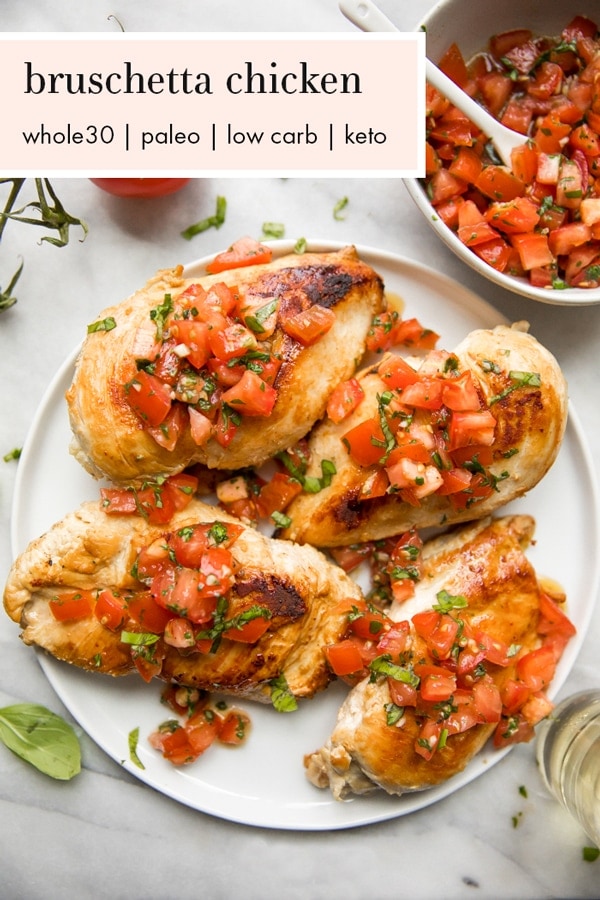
(203, 601)
(463, 435)
(465, 658)
(220, 369)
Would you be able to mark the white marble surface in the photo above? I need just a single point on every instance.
(105, 834)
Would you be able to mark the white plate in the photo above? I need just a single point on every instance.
(263, 783)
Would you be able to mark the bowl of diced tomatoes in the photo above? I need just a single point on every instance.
(533, 227)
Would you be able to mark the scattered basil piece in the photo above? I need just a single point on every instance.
(214, 221)
(139, 638)
(273, 230)
(103, 325)
(300, 245)
(446, 602)
(281, 520)
(519, 380)
(281, 697)
(339, 206)
(160, 314)
(13, 454)
(41, 738)
(383, 665)
(132, 739)
(591, 854)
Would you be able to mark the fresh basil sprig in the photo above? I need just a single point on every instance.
(41, 738)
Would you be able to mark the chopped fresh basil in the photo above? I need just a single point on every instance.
(255, 322)
(214, 221)
(281, 697)
(132, 739)
(160, 314)
(446, 602)
(300, 245)
(15, 453)
(273, 230)
(339, 206)
(281, 520)
(383, 665)
(41, 738)
(519, 380)
(139, 638)
(591, 854)
(393, 713)
(106, 324)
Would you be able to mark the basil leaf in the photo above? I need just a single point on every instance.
(209, 222)
(103, 325)
(41, 738)
(281, 697)
(132, 739)
(273, 230)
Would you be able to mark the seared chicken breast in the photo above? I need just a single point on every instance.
(484, 565)
(190, 623)
(480, 451)
(158, 384)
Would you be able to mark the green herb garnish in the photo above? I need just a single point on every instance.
(214, 221)
(41, 738)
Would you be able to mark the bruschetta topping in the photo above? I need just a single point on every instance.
(443, 667)
(433, 433)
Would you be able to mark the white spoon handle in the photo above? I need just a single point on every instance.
(368, 17)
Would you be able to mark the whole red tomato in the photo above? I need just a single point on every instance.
(140, 187)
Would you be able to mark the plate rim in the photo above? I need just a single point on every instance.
(391, 807)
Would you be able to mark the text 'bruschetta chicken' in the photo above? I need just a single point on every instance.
(202, 601)
(447, 442)
(224, 370)
(468, 656)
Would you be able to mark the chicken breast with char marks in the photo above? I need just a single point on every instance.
(485, 564)
(295, 591)
(241, 338)
(491, 435)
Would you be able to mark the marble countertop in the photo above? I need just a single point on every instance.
(105, 834)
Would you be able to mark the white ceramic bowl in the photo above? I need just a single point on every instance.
(470, 24)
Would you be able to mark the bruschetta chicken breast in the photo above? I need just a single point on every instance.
(219, 369)
(446, 440)
(202, 601)
(468, 656)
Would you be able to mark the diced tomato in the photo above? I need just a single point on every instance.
(395, 372)
(251, 396)
(453, 65)
(235, 727)
(524, 162)
(200, 427)
(438, 630)
(517, 216)
(444, 186)
(454, 480)
(495, 88)
(437, 684)
(499, 183)
(111, 609)
(344, 399)
(467, 165)
(460, 393)
(536, 669)
(277, 494)
(344, 658)
(173, 425)
(118, 501)
(365, 442)
(426, 393)
(244, 252)
(148, 397)
(194, 335)
(72, 605)
(563, 240)
(146, 612)
(534, 250)
(472, 427)
(428, 740)
(368, 622)
(309, 325)
(501, 44)
(249, 632)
